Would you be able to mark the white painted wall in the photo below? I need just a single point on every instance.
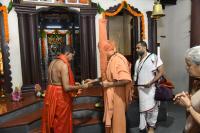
(15, 59)
(176, 27)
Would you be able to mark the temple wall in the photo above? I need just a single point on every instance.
(175, 26)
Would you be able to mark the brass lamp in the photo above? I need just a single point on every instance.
(157, 10)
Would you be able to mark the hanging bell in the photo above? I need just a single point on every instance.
(157, 11)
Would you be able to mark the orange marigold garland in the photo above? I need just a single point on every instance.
(43, 48)
(5, 20)
(134, 13)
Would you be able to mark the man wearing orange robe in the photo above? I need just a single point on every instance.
(118, 90)
(57, 111)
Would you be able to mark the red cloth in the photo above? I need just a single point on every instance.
(71, 75)
(57, 111)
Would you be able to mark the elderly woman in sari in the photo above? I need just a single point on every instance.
(191, 101)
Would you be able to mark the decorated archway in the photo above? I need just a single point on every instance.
(136, 31)
(113, 11)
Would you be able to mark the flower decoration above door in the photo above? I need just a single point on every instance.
(4, 11)
(125, 5)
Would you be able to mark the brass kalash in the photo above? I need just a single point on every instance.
(157, 10)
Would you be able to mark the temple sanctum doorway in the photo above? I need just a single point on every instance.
(126, 28)
(57, 27)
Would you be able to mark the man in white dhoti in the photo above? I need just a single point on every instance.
(148, 69)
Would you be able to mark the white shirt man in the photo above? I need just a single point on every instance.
(145, 69)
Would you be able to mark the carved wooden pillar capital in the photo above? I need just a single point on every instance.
(88, 11)
(25, 9)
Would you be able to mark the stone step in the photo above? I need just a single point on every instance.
(23, 123)
(10, 109)
(25, 116)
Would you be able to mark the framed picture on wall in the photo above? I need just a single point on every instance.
(58, 2)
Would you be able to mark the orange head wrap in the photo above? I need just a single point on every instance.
(109, 45)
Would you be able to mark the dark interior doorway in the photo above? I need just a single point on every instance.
(56, 27)
(125, 30)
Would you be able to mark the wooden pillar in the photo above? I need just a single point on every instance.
(84, 47)
(152, 33)
(28, 36)
(36, 76)
(134, 40)
(195, 21)
(195, 30)
(92, 47)
(154, 36)
(88, 43)
(26, 74)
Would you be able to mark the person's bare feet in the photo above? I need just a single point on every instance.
(151, 130)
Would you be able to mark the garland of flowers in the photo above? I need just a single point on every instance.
(134, 13)
(5, 20)
(43, 48)
(142, 19)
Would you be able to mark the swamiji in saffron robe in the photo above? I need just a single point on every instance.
(116, 99)
(57, 111)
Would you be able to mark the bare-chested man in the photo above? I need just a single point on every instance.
(57, 113)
